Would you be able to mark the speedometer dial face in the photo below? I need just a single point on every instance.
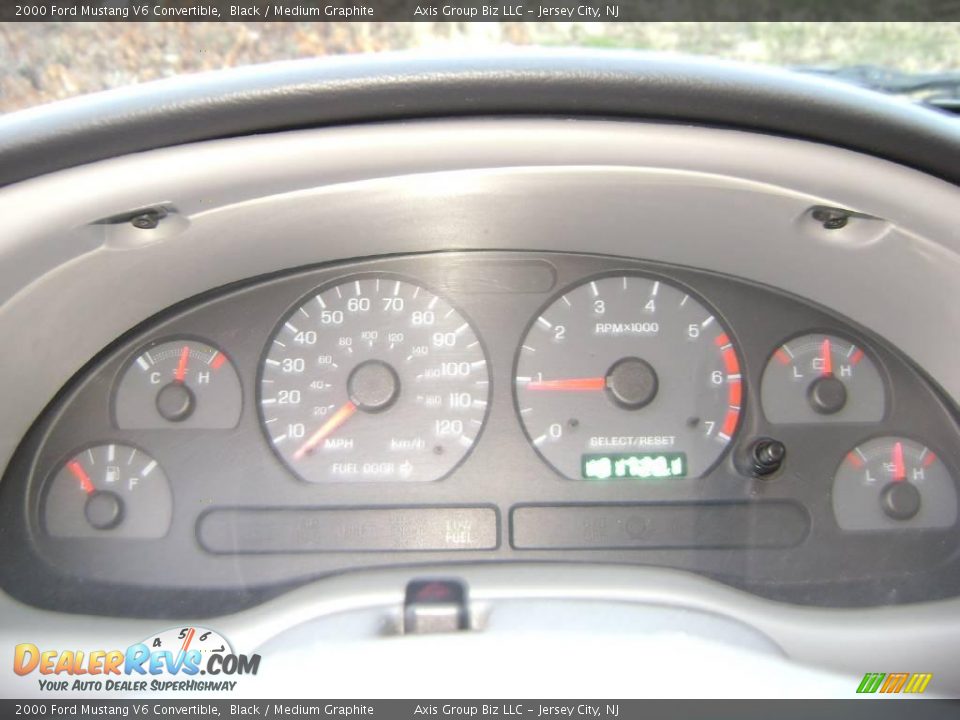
(373, 379)
(628, 377)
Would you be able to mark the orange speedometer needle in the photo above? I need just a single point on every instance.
(826, 358)
(182, 365)
(569, 385)
(335, 421)
(80, 474)
(899, 469)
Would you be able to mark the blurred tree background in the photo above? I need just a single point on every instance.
(42, 62)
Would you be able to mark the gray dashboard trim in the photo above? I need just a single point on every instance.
(846, 642)
(721, 200)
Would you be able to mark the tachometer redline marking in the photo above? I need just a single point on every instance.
(336, 420)
(80, 474)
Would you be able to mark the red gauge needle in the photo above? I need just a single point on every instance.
(80, 474)
(187, 640)
(335, 421)
(899, 469)
(569, 385)
(182, 365)
(827, 358)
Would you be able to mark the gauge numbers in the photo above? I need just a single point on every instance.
(373, 379)
(628, 377)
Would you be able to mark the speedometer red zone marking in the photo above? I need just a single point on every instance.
(731, 364)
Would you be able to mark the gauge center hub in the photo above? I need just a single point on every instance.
(175, 402)
(827, 395)
(900, 500)
(632, 383)
(373, 386)
(103, 510)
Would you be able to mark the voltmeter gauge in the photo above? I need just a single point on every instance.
(822, 378)
(890, 483)
(628, 378)
(179, 383)
(109, 490)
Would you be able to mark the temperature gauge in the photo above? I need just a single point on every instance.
(179, 383)
(892, 482)
(109, 490)
(822, 378)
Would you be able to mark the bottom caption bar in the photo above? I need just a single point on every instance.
(511, 710)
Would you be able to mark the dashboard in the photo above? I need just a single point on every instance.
(489, 406)
(678, 349)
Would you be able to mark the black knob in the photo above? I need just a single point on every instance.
(900, 500)
(767, 455)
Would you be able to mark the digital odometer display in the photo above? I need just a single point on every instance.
(373, 379)
(631, 369)
(640, 466)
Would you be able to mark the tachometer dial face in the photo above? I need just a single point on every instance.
(822, 378)
(891, 483)
(109, 490)
(180, 383)
(374, 379)
(628, 377)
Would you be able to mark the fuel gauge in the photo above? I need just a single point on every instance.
(109, 490)
(179, 383)
(892, 482)
(821, 378)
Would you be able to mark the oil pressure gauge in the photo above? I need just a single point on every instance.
(822, 378)
(892, 482)
(178, 383)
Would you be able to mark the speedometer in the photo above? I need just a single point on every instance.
(628, 377)
(373, 379)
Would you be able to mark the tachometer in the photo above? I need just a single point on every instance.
(374, 379)
(628, 378)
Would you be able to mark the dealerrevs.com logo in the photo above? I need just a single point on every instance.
(172, 660)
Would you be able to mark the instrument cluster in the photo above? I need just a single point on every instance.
(489, 406)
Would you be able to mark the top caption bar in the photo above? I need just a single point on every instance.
(470, 11)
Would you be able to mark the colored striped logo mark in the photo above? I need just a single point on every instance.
(894, 682)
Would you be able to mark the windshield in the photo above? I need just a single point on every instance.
(44, 62)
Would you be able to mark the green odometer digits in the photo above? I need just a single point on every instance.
(373, 379)
(628, 378)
